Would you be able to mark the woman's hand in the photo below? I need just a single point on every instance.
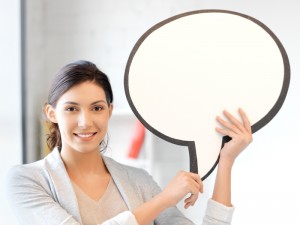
(181, 185)
(240, 133)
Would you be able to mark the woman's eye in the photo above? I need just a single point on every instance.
(98, 108)
(71, 109)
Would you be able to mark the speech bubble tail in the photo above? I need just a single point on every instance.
(208, 145)
(193, 157)
(211, 170)
(225, 139)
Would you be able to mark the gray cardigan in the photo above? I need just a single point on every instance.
(42, 193)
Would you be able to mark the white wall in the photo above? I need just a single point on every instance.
(10, 98)
(265, 184)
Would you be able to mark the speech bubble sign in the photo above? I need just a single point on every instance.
(187, 69)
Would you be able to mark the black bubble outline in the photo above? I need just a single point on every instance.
(191, 144)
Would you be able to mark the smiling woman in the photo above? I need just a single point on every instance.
(82, 113)
(76, 184)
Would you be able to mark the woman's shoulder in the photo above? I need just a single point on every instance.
(18, 173)
(20, 180)
(37, 171)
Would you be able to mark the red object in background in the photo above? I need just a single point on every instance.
(137, 140)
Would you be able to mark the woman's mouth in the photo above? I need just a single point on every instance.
(85, 136)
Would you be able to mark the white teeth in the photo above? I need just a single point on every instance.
(85, 135)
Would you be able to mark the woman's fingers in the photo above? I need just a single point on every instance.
(192, 182)
(228, 125)
(182, 184)
(225, 132)
(190, 201)
(233, 125)
(198, 181)
(196, 187)
(245, 120)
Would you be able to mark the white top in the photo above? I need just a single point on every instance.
(97, 211)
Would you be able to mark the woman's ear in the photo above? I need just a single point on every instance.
(50, 113)
(111, 107)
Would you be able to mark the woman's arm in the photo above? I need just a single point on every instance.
(241, 136)
(219, 209)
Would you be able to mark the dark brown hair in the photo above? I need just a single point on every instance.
(67, 77)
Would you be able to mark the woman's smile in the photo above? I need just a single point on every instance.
(85, 136)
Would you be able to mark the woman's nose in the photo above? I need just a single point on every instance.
(84, 120)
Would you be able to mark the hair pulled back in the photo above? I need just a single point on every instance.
(67, 77)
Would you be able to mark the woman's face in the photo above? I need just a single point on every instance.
(82, 115)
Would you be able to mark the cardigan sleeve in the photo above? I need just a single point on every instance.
(217, 214)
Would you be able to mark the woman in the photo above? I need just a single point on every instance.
(76, 184)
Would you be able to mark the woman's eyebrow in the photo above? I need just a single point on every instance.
(71, 103)
(99, 101)
(75, 103)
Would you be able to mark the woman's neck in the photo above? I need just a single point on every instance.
(83, 164)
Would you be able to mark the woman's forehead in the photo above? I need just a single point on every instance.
(84, 92)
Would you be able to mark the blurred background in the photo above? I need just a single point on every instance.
(38, 37)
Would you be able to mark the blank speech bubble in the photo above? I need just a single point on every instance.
(186, 70)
